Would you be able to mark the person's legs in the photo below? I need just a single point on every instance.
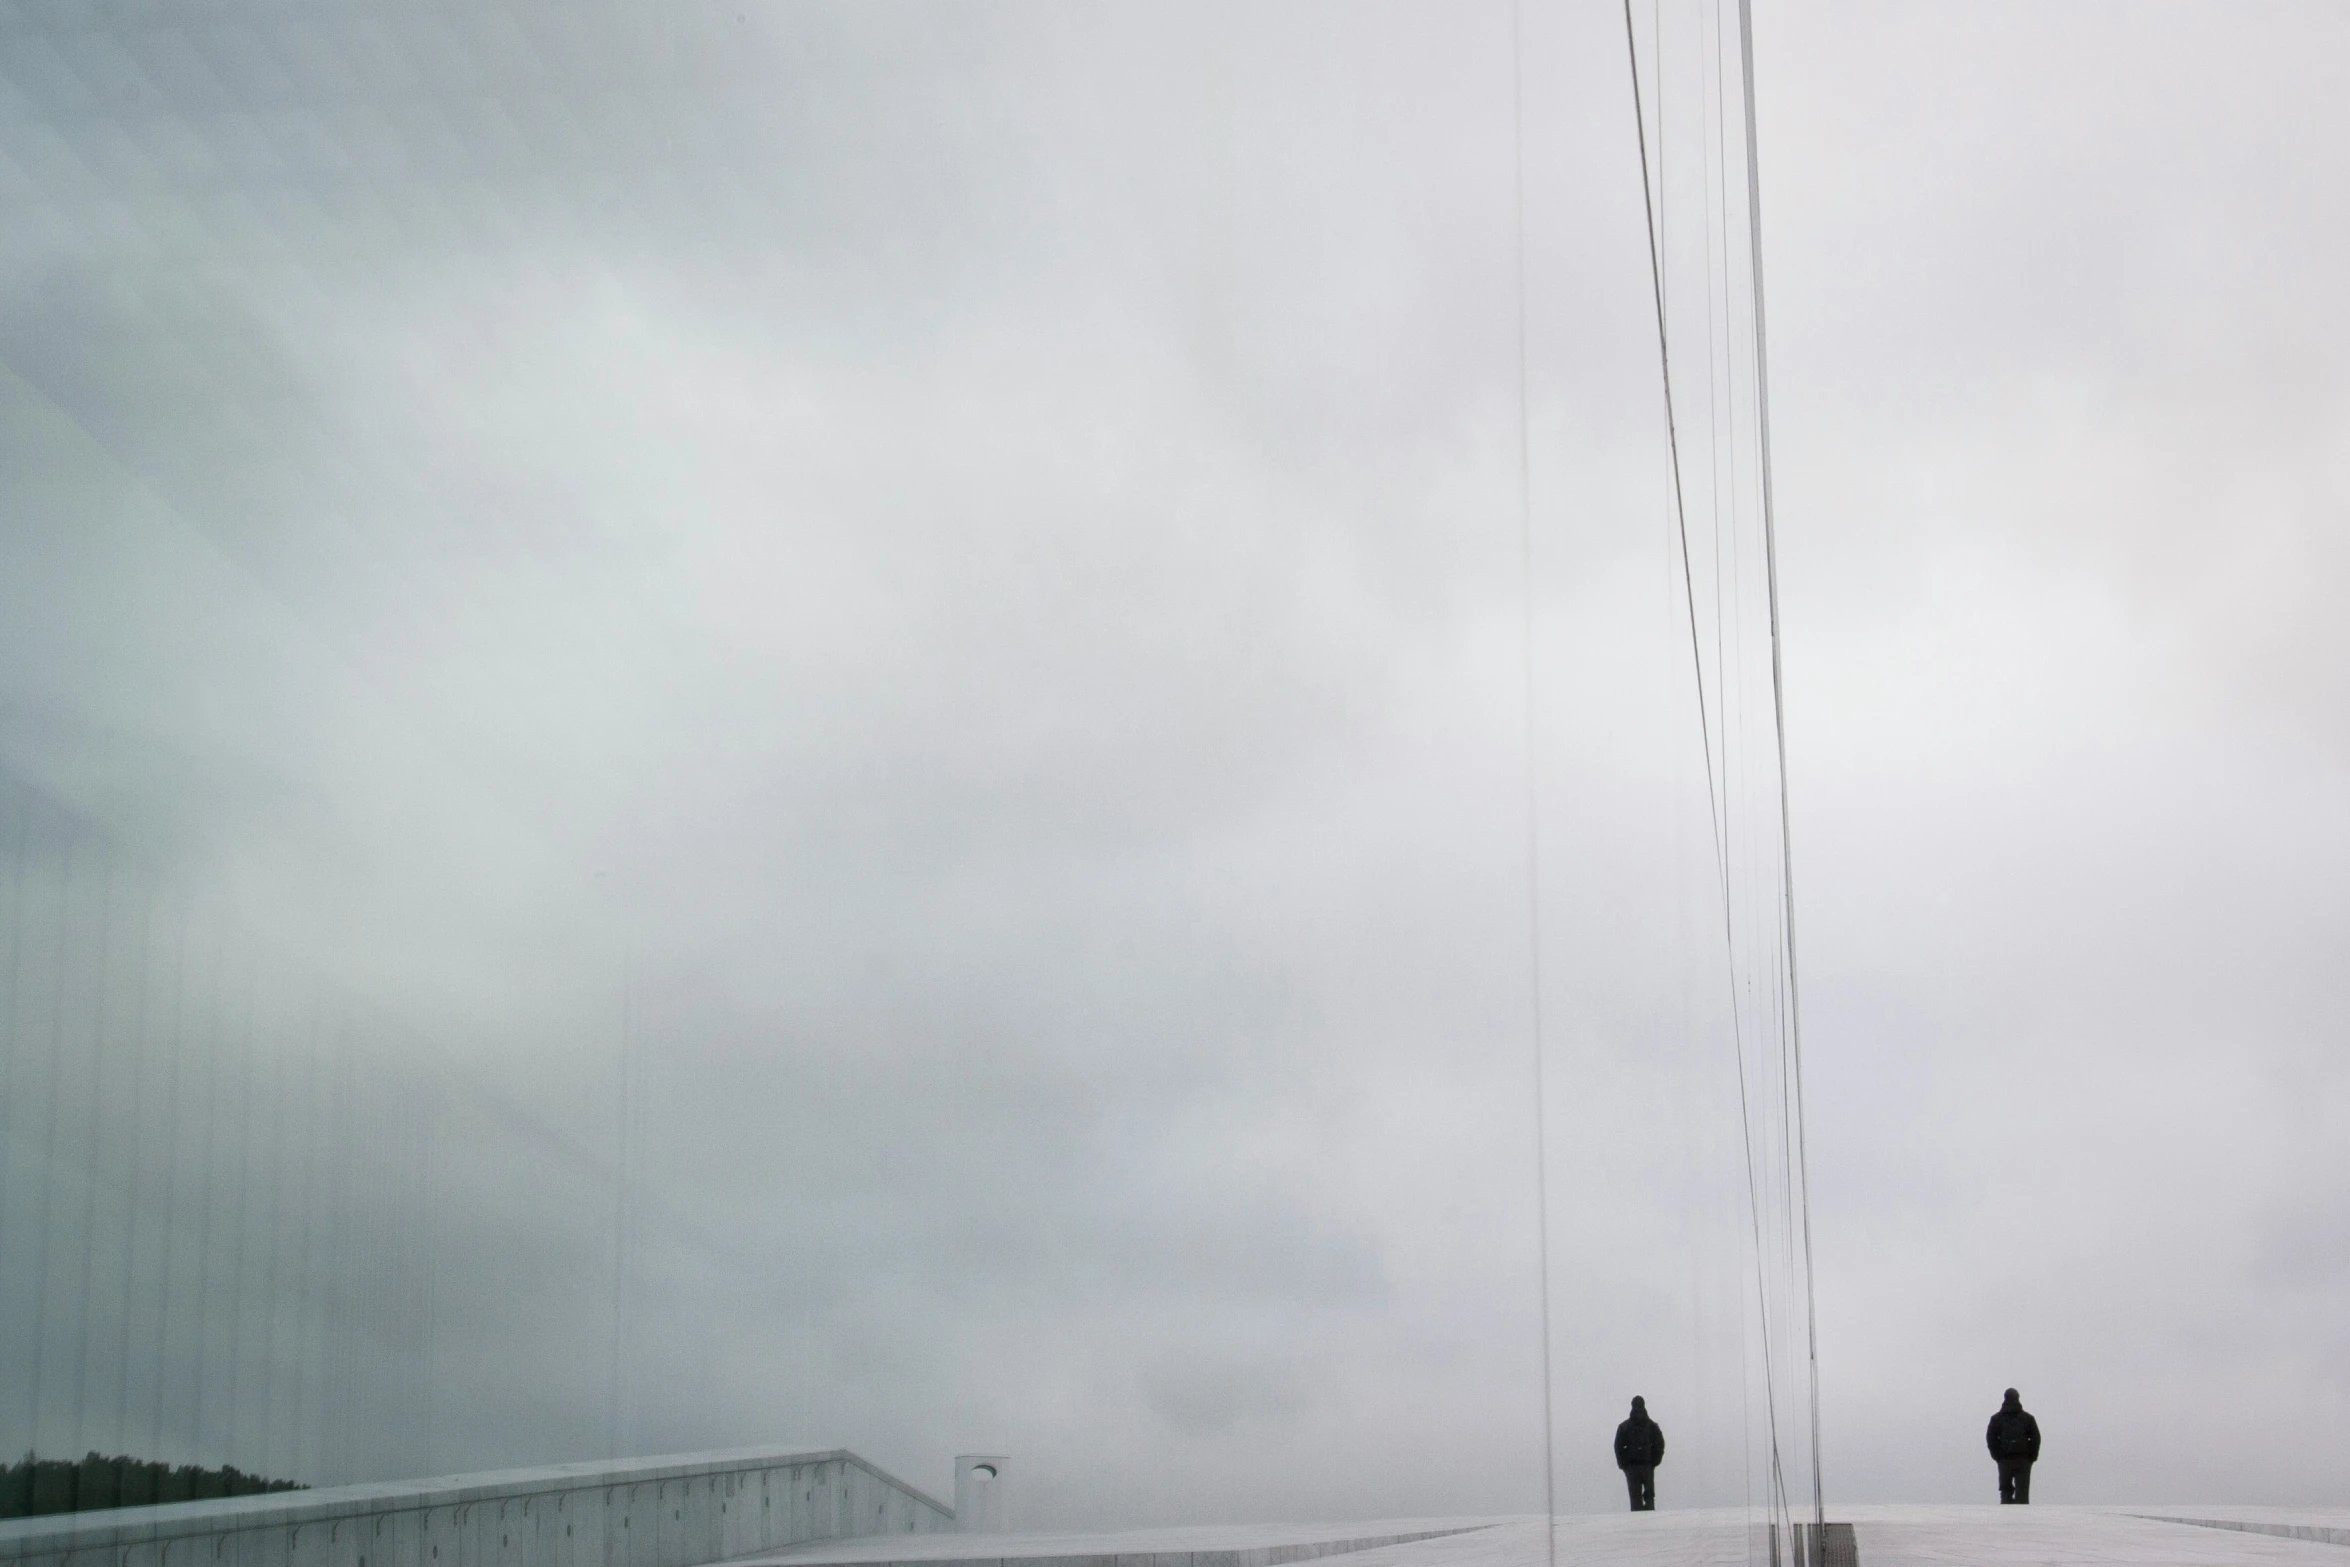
(2023, 1482)
(2008, 1469)
(1632, 1485)
(1647, 1488)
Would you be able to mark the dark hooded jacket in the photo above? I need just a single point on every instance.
(2013, 1433)
(1640, 1440)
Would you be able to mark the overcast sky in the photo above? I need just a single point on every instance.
(946, 582)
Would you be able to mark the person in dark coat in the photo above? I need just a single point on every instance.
(1640, 1447)
(2014, 1439)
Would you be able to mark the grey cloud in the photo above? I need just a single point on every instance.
(948, 583)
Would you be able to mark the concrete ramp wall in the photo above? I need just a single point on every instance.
(680, 1511)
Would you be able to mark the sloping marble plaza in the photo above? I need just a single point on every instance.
(1883, 1536)
(777, 1507)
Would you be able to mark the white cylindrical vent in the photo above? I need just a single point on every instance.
(979, 1493)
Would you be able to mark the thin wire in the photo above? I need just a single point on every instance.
(1762, 380)
(1721, 380)
(40, 1332)
(428, 1165)
(1533, 815)
(343, 1373)
(273, 1083)
(9, 1097)
(623, 1168)
(215, 1060)
(168, 1144)
(1716, 808)
(1721, 414)
(84, 1341)
(247, 1084)
(141, 1156)
(306, 1427)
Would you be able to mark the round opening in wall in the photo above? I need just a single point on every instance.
(983, 1471)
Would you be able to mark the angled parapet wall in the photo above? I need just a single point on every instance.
(680, 1511)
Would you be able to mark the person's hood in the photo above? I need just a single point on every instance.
(2011, 1401)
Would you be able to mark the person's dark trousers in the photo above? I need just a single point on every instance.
(1640, 1480)
(2015, 1480)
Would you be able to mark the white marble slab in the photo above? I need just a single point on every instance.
(2063, 1536)
(1214, 1542)
(1884, 1536)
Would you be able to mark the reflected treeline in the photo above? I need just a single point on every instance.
(34, 1486)
(216, 1215)
(251, 1225)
